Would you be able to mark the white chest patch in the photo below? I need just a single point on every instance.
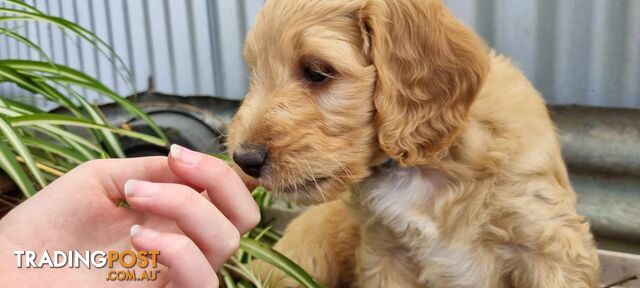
(396, 195)
(399, 198)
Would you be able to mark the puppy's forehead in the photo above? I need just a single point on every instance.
(281, 20)
(310, 8)
(286, 29)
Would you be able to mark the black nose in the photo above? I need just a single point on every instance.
(251, 158)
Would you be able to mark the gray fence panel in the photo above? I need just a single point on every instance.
(574, 51)
(188, 47)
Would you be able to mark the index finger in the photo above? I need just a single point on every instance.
(249, 181)
(113, 173)
(224, 187)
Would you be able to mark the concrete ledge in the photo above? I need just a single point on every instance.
(617, 267)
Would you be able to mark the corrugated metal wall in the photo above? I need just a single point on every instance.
(190, 47)
(575, 51)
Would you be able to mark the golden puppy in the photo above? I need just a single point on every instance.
(477, 194)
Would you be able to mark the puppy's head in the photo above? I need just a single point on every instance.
(339, 86)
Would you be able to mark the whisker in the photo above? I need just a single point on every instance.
(301, 172)
(292, 179)
(314, 180)
(310, 173)
(350, 176)
(333, 176)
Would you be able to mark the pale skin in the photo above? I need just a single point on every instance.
(189, 206)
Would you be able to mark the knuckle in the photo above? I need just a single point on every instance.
(184, 204)
(93, 165)
(186, 197)
(183, 246)
(231, 243)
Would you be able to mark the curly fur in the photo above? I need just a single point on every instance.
(480, 196)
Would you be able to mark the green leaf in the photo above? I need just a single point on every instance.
(111, 141)
(21, 4)
(227, 278)
(12, 108)
(77, 142)
(267, 254)
(18, 107)
(56, 119)
(10, 165)
(27, 42)
(63, 24)
(224, 157)
(69, 154)
(267, 233)
(243, 270)
(42, 140)
(123, 204)
(106, 137)
(65, 74)
(14, 140)
(12, 18)
(29, 84)
(48, 166)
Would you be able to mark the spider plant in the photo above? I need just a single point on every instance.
(36, 147)
(237, 273)
(257, 245)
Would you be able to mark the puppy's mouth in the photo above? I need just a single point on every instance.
(305, 190)
(308, 185)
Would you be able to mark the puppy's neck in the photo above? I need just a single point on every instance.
(408, 195)
(399, 197)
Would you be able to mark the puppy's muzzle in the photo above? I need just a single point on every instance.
(251, 158)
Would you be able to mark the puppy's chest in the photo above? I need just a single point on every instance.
(400, 201)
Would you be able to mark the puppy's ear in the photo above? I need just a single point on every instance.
(430, 68)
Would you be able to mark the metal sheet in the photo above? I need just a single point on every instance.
(190, 47)
(574, 51)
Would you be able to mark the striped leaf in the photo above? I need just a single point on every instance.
(267, 254)
(11, 166)
(21, 150)
(56, 119)
(68, 75)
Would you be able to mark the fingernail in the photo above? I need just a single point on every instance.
(140, 189)
(128, 187)
(142, 232)
(184, 155)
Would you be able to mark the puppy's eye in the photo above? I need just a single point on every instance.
(315, 74)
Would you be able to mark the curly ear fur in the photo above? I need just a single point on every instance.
(430, 67)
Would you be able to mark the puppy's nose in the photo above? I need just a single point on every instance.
(251, 158)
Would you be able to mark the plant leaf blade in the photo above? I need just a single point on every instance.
(267, 254)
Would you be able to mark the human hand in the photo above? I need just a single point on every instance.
(194, 232)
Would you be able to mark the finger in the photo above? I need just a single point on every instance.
(188, 266)
(224, 187)
(249, 181)
(198, 218)
(113, 173)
